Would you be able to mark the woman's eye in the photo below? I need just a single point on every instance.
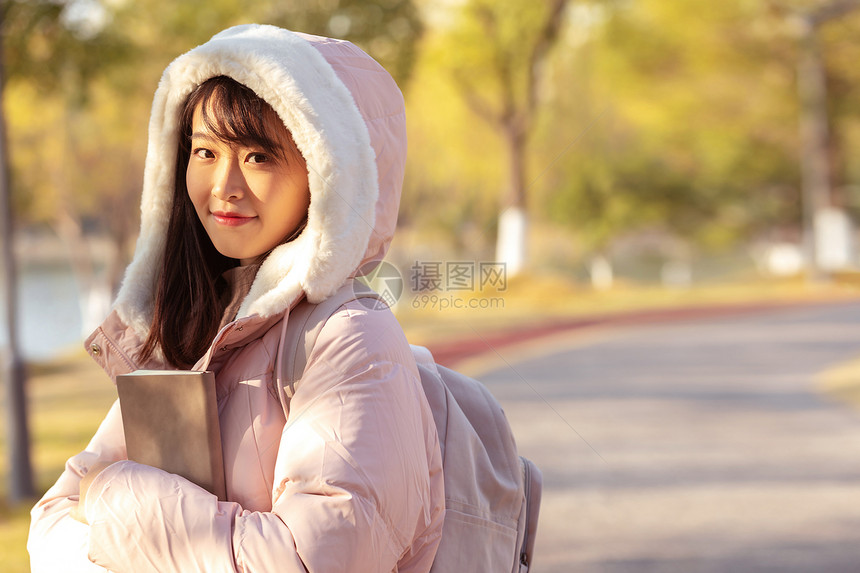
(258, 158)
(203, 153)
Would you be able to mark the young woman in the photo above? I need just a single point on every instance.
(273, 174)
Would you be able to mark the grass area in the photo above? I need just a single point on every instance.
(70, 395)
(68, 398)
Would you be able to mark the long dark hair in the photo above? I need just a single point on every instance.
(188, 303)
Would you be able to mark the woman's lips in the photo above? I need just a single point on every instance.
(230, 219)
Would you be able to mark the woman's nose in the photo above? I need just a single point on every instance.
(229, 183)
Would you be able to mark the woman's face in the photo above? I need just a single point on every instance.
(249, 199)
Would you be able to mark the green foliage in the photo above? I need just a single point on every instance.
(43, 45)
(386, 29)
(471, 107)
(688, 119)
(453, 174)
(492, 56)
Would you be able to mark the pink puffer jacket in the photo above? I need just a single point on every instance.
(348, 475)
(351, 483)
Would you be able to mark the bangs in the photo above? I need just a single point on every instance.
(232, 112)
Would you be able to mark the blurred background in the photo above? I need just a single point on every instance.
(608, 162)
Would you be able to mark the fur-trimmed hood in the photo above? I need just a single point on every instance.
(346, 116)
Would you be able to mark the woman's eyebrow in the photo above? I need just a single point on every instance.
(201, 135)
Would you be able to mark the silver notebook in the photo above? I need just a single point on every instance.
(170, 419)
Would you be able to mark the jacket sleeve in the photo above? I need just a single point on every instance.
(56, 541)
(357, 478)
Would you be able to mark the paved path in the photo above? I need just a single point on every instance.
(693, 446)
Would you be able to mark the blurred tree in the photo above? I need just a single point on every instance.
(454, 165)
(61, 45)
(388, 30)
(58, 53)
(698, 124)
(495, 53)
(805, 25)
(12, 370)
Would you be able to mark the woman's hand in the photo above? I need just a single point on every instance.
(79, 511)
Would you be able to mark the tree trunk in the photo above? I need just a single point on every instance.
(14, 374)
(512, 237)
(602, 275)
(814, 160)
(511, 240)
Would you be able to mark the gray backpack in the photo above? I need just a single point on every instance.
(492, 494)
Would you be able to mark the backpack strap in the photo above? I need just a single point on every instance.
(300, 330)
(532, 490)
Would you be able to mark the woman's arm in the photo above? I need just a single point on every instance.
(58, 539)
(57, 542)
